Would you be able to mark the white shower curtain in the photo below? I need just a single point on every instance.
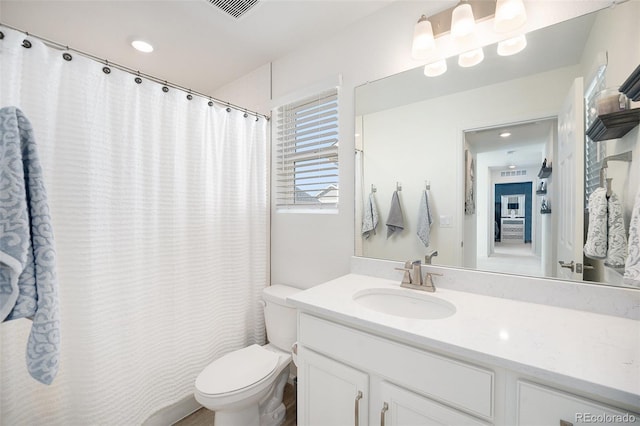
(160, 215)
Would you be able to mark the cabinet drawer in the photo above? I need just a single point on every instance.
(540, 405)
(455, 383)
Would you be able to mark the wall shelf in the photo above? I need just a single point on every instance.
(631, 86)
(544, 172)
(614, 125)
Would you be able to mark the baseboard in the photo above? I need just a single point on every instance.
(173, 413)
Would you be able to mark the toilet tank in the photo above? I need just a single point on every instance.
(279, 316)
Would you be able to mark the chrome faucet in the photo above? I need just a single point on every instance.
(415, 281)
(429, 256)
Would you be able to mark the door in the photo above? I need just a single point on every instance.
(330, 393)
(564, 409)
(400, 407)
(569, 172)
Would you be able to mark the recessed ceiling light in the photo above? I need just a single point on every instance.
(505, 134)
(142, 46)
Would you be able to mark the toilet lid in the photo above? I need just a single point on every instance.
(237, 370)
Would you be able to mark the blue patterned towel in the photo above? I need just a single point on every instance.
(28, 287)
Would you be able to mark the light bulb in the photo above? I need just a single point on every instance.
(462, 21)
(510, 15)
(142, 46)
(512, 46)
(436, 68)
(471, 58)
(423, 41)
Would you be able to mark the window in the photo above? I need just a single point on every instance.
(307, 153)
(594, 152)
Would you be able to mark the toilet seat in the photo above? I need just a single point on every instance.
(237, 370)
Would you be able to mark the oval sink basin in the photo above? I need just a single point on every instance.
(404, 303)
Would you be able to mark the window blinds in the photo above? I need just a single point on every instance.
(307, 152)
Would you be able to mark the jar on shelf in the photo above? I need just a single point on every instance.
(610, 100)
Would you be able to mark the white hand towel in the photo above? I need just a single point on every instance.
(424, 220)
(632, 266)
(395, 221)
(596, 245)
(616, 234)
(370, 219)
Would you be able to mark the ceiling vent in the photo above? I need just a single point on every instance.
(235, 8)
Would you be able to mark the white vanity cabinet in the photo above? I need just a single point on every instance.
(542, 405)
(339, 394)
(350, 377)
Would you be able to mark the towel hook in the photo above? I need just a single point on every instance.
(373, 188)
(398, 186)
(427, 185)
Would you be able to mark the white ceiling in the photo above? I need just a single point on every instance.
(196, 44)
(523, 148)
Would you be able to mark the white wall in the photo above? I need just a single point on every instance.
(310, 249)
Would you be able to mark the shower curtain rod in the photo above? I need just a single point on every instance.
(136, 73)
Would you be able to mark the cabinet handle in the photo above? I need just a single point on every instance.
(357, 408)
(565, 423)
(385, 408)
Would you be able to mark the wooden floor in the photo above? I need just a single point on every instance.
(204, 417)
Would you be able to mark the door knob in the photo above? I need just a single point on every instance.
(570, 266)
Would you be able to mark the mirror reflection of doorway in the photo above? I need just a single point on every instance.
(507, 224)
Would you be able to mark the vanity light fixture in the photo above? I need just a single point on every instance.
(435, 69)
(471, 58)
(460, 22)
(512, 166)
(510, 16)
(142, 46)
(423, 41)
(512, 46)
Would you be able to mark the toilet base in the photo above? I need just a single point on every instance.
(269, 412)
(245, 416)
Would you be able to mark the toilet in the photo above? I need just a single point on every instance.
(245, 387)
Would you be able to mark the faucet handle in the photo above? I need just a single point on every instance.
(428, 281)
(406, 278)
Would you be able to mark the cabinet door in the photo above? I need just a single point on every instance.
(400, 407)
(539, 405)
(330, 393)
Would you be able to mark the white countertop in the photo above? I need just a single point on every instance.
(594, 353)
